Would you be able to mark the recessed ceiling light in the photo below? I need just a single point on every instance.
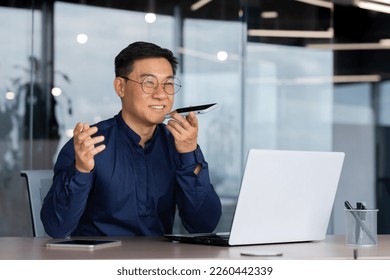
(150, 17)
(82, 38)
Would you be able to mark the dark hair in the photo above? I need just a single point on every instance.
(139, 50)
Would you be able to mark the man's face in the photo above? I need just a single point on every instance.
(147, 109)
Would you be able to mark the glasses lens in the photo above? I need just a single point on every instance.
(172, 86)
(149, 84)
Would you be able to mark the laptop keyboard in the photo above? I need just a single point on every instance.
(212, 238)
(221, 238)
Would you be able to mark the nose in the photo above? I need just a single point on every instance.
(160, 91)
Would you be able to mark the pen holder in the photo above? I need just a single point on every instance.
(361, 227)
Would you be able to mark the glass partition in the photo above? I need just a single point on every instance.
(20, 75)
(212, 74)
(288, 82)
(288, 98)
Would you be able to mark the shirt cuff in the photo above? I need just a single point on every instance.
(81, 177)
(192, 158)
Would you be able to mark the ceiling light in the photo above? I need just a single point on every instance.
(82, 38)
(373, 6)
(150, 17)
(387, 2)
(356, 79)
(269, 14)
(10, 95)
(315, 80)
(56, 91)
(199, 4)
(291, 33)
(385, 44)
(222, 55)
(319, 3)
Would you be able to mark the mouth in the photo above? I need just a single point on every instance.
(157, 107)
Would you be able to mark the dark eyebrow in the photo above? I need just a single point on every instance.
(147, 75)
(152, 75)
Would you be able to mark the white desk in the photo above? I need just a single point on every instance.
(333, 247)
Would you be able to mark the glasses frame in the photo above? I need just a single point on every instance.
(178, 86)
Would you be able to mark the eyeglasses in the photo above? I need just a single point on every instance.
(150, 84)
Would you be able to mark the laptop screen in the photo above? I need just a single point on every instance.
(285, 196)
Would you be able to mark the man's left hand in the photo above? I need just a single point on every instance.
(185, 131)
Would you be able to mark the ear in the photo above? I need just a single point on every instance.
(119, 85)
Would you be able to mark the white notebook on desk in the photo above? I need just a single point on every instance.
(285, 196)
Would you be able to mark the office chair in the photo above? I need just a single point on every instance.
(38, 184)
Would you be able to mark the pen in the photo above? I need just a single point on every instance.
(358, 228)
(360, 222)
(362, 216)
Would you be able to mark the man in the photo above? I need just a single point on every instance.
(126, 175)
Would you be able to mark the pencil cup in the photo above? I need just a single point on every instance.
(361, 227)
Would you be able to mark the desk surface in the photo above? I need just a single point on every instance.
(333, 247)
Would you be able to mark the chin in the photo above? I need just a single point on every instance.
(157, 120)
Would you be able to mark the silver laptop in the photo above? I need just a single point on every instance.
(285, 196)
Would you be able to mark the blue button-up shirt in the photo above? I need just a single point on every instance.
(131, 190)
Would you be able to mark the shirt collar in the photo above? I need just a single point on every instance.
(131, 134)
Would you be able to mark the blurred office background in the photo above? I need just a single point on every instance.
(288, 74)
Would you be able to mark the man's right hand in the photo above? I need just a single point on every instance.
(85, 146)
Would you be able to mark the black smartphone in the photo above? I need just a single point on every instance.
(198, 109)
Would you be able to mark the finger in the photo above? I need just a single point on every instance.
(78, 128)
(85, 133)
(175, 125)
(89, 131)
(84, 127)
(84, 153)
(177, 116)
(91, 142)
(97, 150)
(185, 122)
(192, 119)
